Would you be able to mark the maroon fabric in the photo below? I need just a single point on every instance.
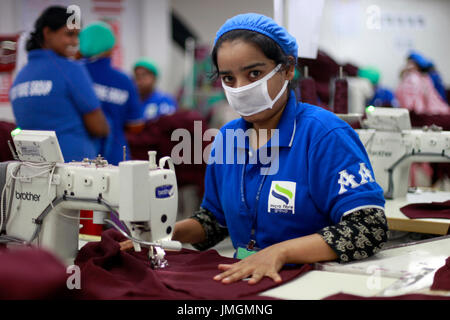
(34, 273)
(441, 279)
(5, 135)
(340, 104)
(345, 296)
(438, 210)
(420, 120)
(156, 136)
(110, 273)
(308, 92)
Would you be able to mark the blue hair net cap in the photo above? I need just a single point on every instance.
(420, 60)
(264, 25)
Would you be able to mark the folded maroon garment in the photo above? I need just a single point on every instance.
(109, 273)
(439, 210)
(345, 296)
(33, 273)
(441, 279)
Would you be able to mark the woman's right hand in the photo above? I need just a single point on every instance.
(126, 245)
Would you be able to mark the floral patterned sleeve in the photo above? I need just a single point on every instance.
(359, 235)
(213, 231)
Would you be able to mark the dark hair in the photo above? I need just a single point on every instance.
(269, 47)
(54, 17)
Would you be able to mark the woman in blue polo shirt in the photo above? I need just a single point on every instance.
(54, 93)
(315, 200)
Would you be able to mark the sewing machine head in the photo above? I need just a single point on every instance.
(41, 197)
(393, 146)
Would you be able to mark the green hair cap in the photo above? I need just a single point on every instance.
(147, 64)
(370, 73)
(96, 38)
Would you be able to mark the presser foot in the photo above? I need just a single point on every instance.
(157, 259)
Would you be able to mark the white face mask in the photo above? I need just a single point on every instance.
(254, 97)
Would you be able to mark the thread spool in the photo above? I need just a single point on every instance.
(340, 103)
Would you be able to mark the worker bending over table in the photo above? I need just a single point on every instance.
(315, 200)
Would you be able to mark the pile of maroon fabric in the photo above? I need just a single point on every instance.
(439, 210)
(34, 273)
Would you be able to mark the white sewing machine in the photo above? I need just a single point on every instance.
(41, 197)
(393, 146)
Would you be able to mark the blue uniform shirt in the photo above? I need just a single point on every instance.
(321, 172)
(158, 104)
(53, 93)
(120, 103)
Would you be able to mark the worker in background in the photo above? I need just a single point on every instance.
(154, 102)
(54, 93)
(416, 91)
(319, 203)
(382, 97)
(116, 91)
(427, 66)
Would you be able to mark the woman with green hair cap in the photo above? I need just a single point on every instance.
(154, 103)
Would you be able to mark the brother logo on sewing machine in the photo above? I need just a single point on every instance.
(27, 196)
(165, 191)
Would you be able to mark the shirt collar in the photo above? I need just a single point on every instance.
(286, 126)
(104, 61)
(37, 53)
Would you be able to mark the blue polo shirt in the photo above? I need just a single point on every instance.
(120, 104)
(313, 171)
(158, 104)
(53, 93)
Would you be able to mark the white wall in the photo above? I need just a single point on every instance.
(207, 16)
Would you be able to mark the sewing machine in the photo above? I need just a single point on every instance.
(393, 146)
(41, 197)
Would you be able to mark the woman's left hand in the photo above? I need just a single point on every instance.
(264, 263)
